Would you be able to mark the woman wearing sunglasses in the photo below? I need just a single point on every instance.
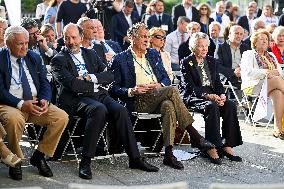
(157, 41)
(205, 20)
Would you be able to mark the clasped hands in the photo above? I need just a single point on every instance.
(272, 73)
(219, 100)
(144, 88)
(35, 107)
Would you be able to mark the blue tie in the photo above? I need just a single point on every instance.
(104, 47)
(27, 94)
(160, 20)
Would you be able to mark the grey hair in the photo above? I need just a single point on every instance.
(189, 25)
(219, 3)
(255, 22)
(234, 28)
(10, 31)
(277, 31)
(82, 20)
(215, 23)
(193, 40)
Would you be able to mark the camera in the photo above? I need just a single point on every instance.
(102, 4)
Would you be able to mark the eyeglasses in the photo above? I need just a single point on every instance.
(159, 37)
(203, 8)
(35, 33)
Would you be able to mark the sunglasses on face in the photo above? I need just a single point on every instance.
(159, 37)
(203, 8)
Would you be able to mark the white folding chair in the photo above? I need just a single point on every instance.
(245, 186)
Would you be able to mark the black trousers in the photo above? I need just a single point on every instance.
(230, 126)
(97, 112)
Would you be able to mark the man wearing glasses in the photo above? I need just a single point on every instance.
(37, 42)
(175, 39)
(141, 82)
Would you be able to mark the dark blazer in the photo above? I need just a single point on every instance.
(178, 11)
(142, 12)
(125, 78)
(72, 89)
(184, 51)
(37, 71)
(114, 45)
(120, 26)
(281, 20)
(191, 85)
(100, 52)
(243, 21)
(166, 20)
(225, 59)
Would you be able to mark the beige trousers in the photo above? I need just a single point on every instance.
(14, 121)
(168, 103)
(2, 132)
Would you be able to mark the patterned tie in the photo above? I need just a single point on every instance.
(27, 94)
(104, 47)
(160, 20)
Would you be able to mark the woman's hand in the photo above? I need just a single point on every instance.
(272, 73)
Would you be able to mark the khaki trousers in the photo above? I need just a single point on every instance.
(2, 132)
(168, 103)
(14, 121)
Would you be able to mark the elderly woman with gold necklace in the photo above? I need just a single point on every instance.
(256, 65)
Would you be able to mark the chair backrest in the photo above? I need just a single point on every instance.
(177, 185)
(246, 186)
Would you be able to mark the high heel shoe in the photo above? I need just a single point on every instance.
(232, 157)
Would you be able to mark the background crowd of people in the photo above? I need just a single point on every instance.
(128, 50)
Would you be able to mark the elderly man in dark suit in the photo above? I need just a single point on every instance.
(110, 47)
(25, 97)
(141, 81)
(185, 9)
(229, 55)
(81, 76)
(122, 21)
(160, 19)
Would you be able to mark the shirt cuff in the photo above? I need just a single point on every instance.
(20, 104)
(49, 52)
(96, 88)
(93, 78)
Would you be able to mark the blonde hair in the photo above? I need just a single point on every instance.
(153, 31)
(255, 35)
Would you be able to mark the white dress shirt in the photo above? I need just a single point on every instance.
(173, 41)
(188, 12)
(128, 19)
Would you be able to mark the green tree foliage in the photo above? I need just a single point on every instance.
(29, 5)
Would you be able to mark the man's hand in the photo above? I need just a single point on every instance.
(109, 56)
(126, 39)
(140, 89)
(44, 106)
(238, 72)
(30, 107)
(154, 85)
(42, 42)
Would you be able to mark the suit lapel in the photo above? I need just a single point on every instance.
(194, 69)
(130, 65)
(32, 70)
(70, 62)
(87, 60)
(229, 54)
(123, 19)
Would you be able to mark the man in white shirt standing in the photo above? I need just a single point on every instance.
(175, 38)
(220, 16)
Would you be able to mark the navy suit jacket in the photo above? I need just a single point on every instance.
(243, 21)
(72, 89)
(225, 59)
(120, 25)
(166, 20)
(144, 7)
(178, 11)
(191, 85)
(114, 45)
(125, 78)
(37, 71)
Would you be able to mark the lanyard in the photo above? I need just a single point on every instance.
(86, 73)
(148, 73)
(21, 67)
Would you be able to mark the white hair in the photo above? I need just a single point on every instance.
(214, 23)
(255, 23)
(193, 40)
(277, 31)
(82, 20)
(10, 31)
(219, 3)
(234, 28)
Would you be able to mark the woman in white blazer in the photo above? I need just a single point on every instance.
(258, 63)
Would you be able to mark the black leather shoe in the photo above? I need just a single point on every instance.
(203, 145)
(143, 165)
(85, 171)
(172, 161)
(15, 172)
(216, 161)
(43, 168)
(232, 157)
